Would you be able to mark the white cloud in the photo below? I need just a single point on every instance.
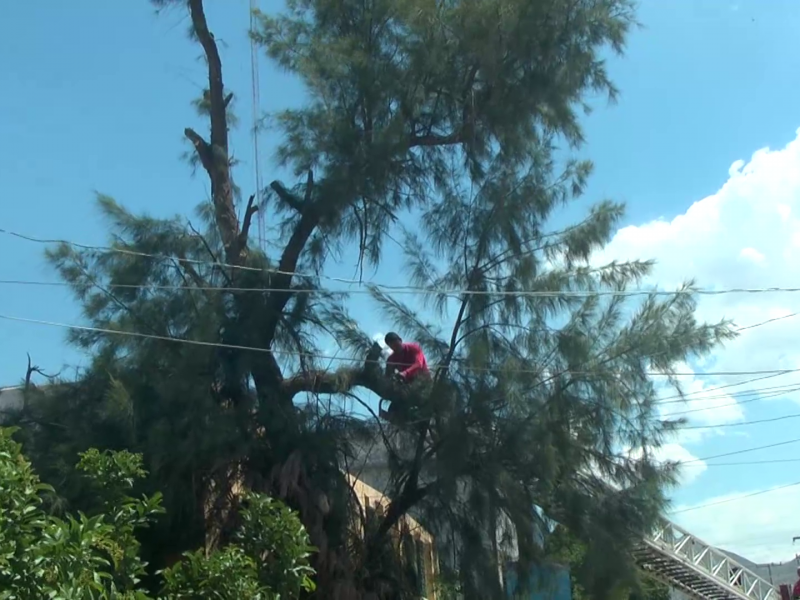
(705, 405)
(675, 452)
(747, 235)
(758, 527)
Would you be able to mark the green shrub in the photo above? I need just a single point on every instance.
(96, 556)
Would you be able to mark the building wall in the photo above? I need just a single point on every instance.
(428, 566)
(10, 398)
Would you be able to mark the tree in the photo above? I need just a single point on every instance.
(564, 548)
(442, 120)
(96, 555)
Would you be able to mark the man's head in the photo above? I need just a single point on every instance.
(394, 341)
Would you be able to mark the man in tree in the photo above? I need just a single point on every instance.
(407, 361)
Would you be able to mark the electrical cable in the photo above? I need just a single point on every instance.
(683, 397)
(735, 499)
(744, 451)
(756, 422)
(739, 394)
(772, 461)
(393, 288)
(343, 358)
(278, 352)
(412, 290)
(402, 290)
(232, 346)
(716, 406)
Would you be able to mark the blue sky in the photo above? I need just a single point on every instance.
(98, 95)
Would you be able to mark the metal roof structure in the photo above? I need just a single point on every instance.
(700, 570)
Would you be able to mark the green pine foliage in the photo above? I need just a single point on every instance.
(447, 125)
(96, 555)
(563, 548)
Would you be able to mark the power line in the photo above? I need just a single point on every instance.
(406, 290)
(756, 422)
(394, 288)
(740, 394)
(743, 463)
(237, 347)
(735, 499)
(683, 397)
(716, 406)
(745, 451)
(138, 334)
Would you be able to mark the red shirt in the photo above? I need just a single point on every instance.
(796, 590)
(409, 360)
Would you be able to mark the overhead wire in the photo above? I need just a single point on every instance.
(700, 395)
(332, 358)
(772, 394)
(742, 451)
(742, 463)
(407, 289)
(742, 423)
(350, 359)
(744, 496)
(393, 288)
(734, 499)
(769, 373)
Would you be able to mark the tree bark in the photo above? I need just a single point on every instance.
(214, 154)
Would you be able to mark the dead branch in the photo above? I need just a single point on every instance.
(248, 217)
(214, 154)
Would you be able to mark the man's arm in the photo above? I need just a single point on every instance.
(416, 353)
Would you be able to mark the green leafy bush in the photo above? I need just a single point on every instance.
(96, 556)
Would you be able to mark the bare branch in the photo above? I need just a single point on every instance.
(214, 154)
(202, 148)
(248, 217)
(216, 88)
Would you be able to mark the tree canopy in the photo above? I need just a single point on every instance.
(449, 124)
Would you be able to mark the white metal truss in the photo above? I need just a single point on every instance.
(681, 560)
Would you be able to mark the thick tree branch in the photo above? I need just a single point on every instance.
(368, 375)
(214, 154)
(310, 216)
(216, 88)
